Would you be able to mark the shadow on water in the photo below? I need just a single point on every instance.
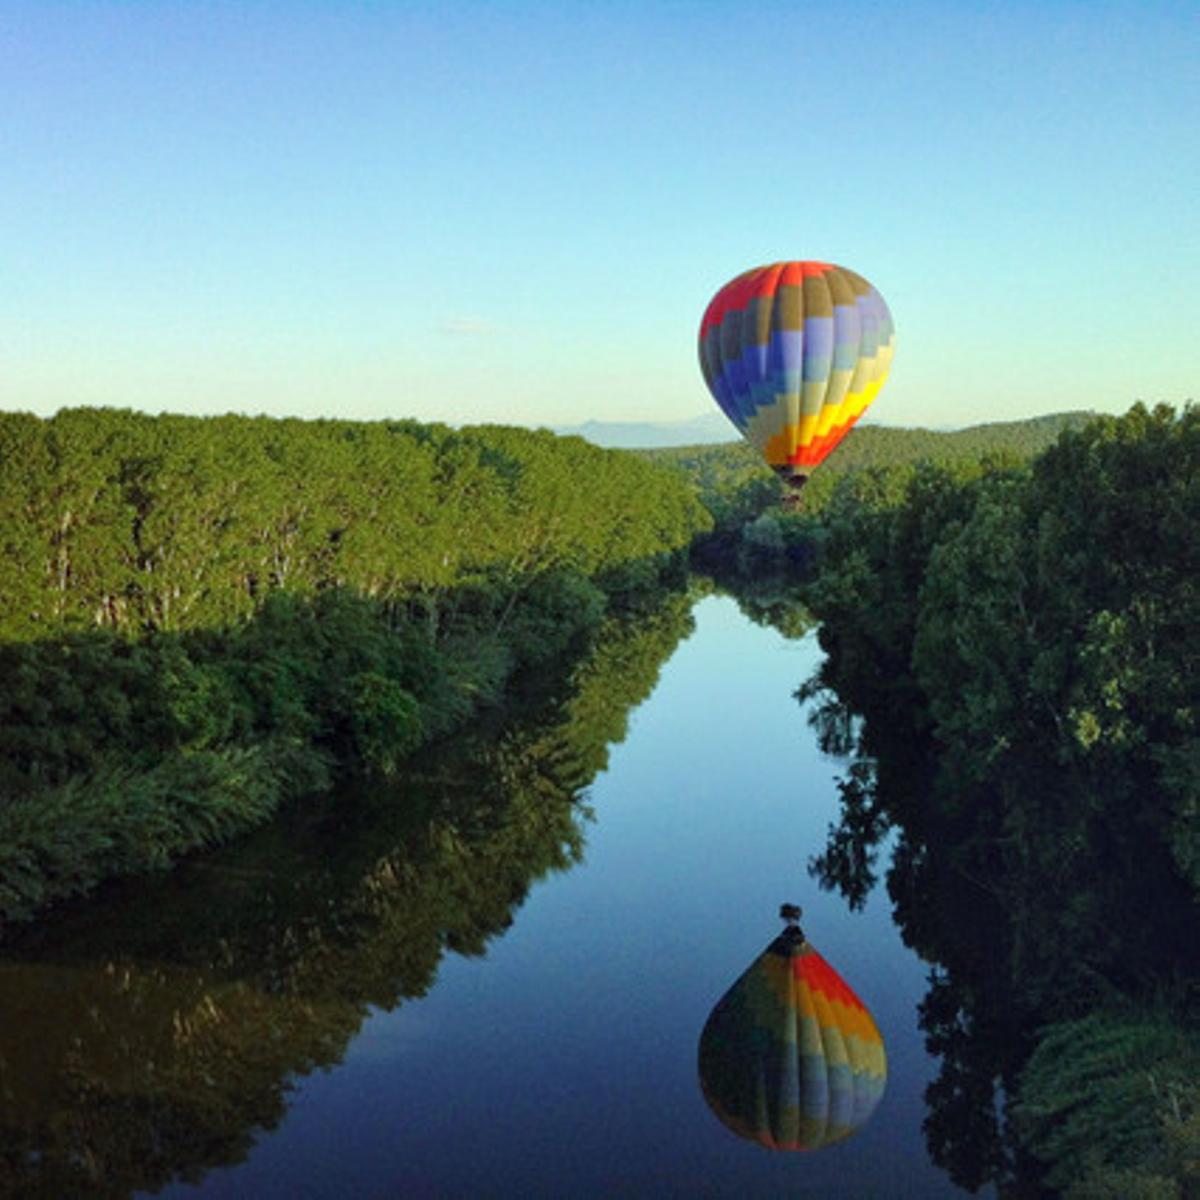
(151, 1033)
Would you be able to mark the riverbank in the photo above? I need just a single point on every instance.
(209, 617)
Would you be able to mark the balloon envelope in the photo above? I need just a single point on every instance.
(790, 1057)
(793, 353)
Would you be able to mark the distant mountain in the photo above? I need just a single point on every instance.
(715, 428)
(704, 429)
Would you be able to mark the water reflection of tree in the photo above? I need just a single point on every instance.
(951, 916)
(998, 979)
(150, 1036)
(770, 600)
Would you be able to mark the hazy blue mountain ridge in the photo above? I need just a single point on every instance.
(715, 428)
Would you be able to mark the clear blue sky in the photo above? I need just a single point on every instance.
(517, 212)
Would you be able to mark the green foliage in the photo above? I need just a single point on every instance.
(1111, 1104)
(1012, 653)
(554, 608)
(881, 529)
(385, 719)
(1011, 621)
(1179, 767)
(115, 520)
(762, 543)
(120, 820)
(184, 597)
(95, 791)
(737, 487)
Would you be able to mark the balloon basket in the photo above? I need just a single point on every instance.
(793, 498)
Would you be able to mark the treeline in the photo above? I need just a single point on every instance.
(201, 617)
(1012, 656)
(119, 520)
(754, 533)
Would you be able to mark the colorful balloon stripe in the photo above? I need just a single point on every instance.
(794, 353)
(790, 1057)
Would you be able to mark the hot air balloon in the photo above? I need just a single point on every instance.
(793, 353)
(790, 1058)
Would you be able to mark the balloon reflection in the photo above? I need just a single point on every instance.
(790, 1057)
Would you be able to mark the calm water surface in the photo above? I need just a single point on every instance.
(562, 1061)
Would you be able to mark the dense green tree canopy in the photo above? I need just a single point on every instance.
(1013, 655)
(124, 521)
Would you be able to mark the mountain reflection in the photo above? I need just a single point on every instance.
(152, 1033)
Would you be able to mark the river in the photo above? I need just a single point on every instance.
(552, 1058)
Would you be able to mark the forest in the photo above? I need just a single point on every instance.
(201, 617)
(756, 531)
(1011, 656)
